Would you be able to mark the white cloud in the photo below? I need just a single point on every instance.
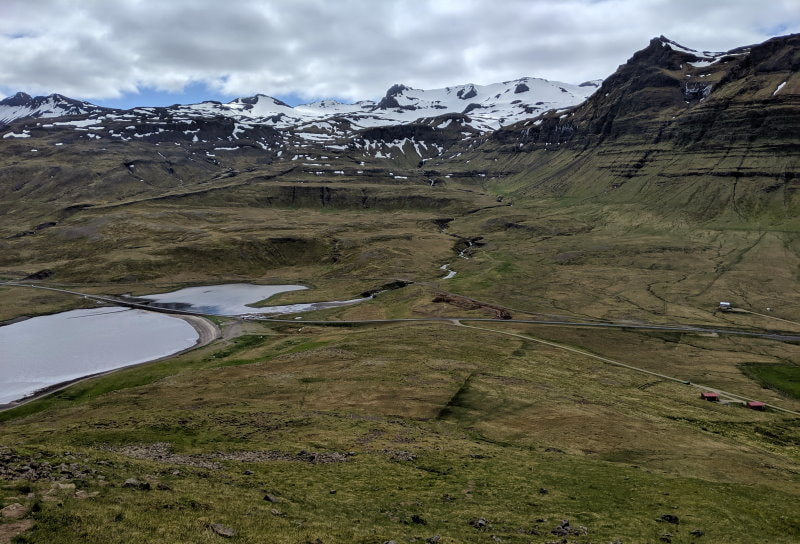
(350, 48)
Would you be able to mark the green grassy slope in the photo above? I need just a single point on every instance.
(357, 439)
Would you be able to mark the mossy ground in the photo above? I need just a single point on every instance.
(784, 378)
(447, 423)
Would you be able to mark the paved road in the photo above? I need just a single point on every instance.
(771, 335)
(458, 321)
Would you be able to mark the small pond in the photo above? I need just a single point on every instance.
(234, 299)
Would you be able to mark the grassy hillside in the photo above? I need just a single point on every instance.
(353, 438)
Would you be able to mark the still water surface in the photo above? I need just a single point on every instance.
(47, 350)
(51, 349)
(233, 299)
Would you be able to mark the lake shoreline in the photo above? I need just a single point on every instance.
(207, 332)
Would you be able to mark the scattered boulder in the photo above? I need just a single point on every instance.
(136, 484)
(399, 455)
(270, 498)
(565, 529)
(222, 530)
(562, 529)
(697, 532)
(276, 512)
(479, 523)
(669, 518)
(666, 537)
(434, 539)
(543, 491)
(86, 494)
(419, 520)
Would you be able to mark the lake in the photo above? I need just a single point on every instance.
(232, 299)
(47, 350)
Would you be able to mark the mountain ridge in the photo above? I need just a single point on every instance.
(618, 144)
(366, 112)
(670, 121)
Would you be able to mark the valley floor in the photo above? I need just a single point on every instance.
(495, 431)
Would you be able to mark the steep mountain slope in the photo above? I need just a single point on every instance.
(706, 134)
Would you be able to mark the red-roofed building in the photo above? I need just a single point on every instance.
(755, 405)
(713, 397)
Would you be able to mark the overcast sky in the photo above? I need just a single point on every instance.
(153, 52)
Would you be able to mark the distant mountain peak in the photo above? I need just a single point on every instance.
(489, 107)
(255, 99)
(18, 99)
(389, 101)
(675, 46)
(53, 105)
(397, 89)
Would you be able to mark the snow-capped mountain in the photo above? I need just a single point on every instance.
(23, 105)
(704, 58)
(433, 119)
(487, 106)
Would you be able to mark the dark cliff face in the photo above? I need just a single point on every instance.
(651, 81)
(390, 100)
(669, 123)
(425, 129)
(663, 92)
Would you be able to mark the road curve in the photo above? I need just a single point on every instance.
(770, 335)
(458, 321)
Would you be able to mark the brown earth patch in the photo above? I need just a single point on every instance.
(9, 530)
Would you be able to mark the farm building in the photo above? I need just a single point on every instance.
(713, 397)
(755, 405)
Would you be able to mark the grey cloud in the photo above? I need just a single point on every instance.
(350, 48)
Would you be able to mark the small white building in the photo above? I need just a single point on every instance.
(724, 305)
